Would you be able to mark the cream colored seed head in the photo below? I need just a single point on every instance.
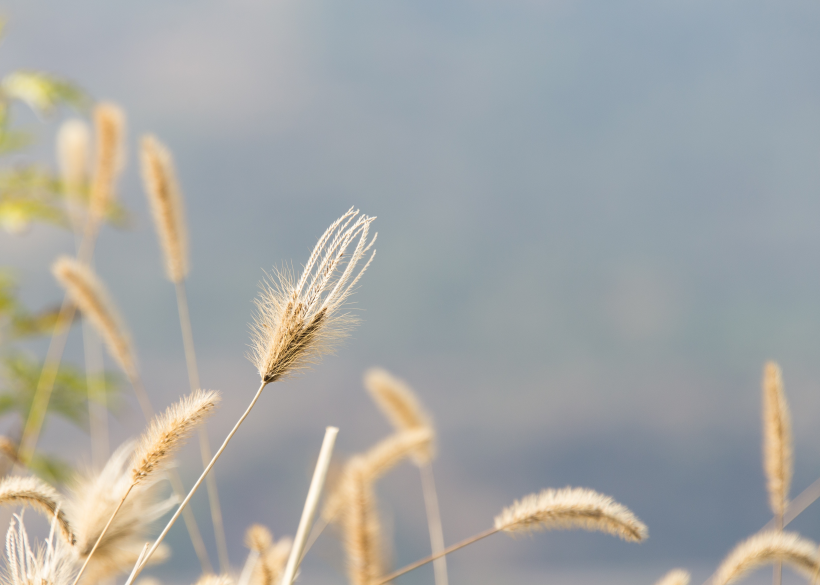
(271, 564)
(570, 508)
(258, 538)
(169, 430)
(299, 321)
(30, 491)
(778, 458)
(215, 580)
(53, 563)
(109, 131)
(73, 148)
(361, 527)
(675, 577)
(391, 451)
(166, 205)
(767, 548)
(91, 296)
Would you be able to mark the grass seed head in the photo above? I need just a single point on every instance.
(109, 131)
(53, 563)
(361, 527)
(767, 548)
(571, 508)
(167, 208)
(675, 577)
(30, 491)
(298, 321)
(778, 454)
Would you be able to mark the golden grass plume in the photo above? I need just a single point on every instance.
(167, 207)
(109, 158)
(30, 491)
(270, 565)
(361, 527)
(298, 321)
(90, 295)
(675, 577)
(766, 548)
(53, 563)
(258, 538)
(778, 457)
(73, 151)
(93, 497)
(399, 403)
(169, 430)
(570, 508)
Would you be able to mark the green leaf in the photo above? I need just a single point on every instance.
(42, 92)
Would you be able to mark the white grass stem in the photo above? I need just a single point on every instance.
(187, 499)
(247, 569)
(204, 443)
(311, 503)
(428, 484)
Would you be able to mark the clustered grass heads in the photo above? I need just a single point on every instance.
(88, 292)
(166, 205)
(30, 491)
(163, 437)
(571, 508)
(53, 563)
(298, 321)
(94, 495)
(675, 577)
(767, 548)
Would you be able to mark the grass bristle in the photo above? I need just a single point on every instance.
(767, 548)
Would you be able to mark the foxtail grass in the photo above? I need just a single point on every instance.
(167, 207)
(53, 563)
(30, 491)
(768, 548)
(675, 577)
(164, 436)
(297, 323)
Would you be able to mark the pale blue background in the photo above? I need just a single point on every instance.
(597, 221)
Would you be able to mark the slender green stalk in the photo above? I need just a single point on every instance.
(204, 443)
(187, 499)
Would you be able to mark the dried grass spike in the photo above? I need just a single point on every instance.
(169, 430)
(296, 323)
(215, 580)
(166, 205)
(73, 146)
(30, 491)
(361, 527)
(675, 577)
(258, 538)
(778, 462)
(91, 296)
(271, 564)
(767, 548)
(109, 130)
(52, 563)
(571, 508)
(391, 451)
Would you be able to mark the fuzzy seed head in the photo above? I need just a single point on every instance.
(298, 321)
(571, 508)
(53, 563)
(271, 563)
(258, 538)
(30, 491)
(361, 527)
(168, 432)
(109, 130)
(399, 404)
(675, 577)
(90, 295)
(167, 208)
(92, 499)
(778, 455)
(215, 580)
(766, 548)
(73, 147)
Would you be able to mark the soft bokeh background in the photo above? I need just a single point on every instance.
(597, 220)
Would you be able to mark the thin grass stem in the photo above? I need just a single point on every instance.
(434, 521)
(311, 503)
(431, 558)
(204, 443)
(199, 481)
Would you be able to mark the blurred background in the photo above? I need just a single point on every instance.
(596, 221)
